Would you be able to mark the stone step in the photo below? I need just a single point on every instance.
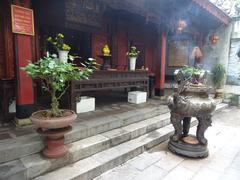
(88, 124)
(35, 165)
(95, 165)
(99, 163)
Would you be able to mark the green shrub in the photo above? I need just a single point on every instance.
(55, 77)
(218, 75)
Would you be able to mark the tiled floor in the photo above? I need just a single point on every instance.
(223, 162)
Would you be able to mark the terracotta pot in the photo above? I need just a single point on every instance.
(54, 142)
(54, 129)
(54, 122)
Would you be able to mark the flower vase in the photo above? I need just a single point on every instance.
(132, 63)
(63, 56)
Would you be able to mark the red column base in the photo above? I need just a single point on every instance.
(55, 148)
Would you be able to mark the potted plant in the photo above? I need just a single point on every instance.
(195, 73)
(218, 76)
(54, 122)
(133, 54)
(62, 48)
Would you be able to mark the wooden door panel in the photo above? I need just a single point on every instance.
(2, 51)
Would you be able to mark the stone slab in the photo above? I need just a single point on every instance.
(144, 160)
(13, 170)
(120, 173)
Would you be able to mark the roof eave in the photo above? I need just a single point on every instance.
(214, 10)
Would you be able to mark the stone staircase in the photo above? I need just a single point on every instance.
(95, 146)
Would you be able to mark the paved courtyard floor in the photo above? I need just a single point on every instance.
(222, 163)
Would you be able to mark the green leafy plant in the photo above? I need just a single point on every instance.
(58, 42)
(55, 77)
(191, 71)
(133, 52)
(218, 75)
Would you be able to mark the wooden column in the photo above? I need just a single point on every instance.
(161, 66)
(23, 53)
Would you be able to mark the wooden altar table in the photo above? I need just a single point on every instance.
(106, 80)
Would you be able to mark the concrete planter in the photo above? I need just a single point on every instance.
(137, 97)
(132, 63)
(63, 56)
(86, 104)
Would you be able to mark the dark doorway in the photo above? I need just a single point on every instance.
(80, 43)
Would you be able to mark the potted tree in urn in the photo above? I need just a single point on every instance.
(55, 122)
(133, 54)
(62, 48)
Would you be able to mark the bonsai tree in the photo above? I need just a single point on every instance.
(55, 78)
(218, 75)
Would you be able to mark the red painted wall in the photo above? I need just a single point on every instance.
(98, 41)
(149, 55)
(23, 53)
(122, 43)
(25, 85)
(157, 63)
(119, 38)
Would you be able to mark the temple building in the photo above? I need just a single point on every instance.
(164, 31)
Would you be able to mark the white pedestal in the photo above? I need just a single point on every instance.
(137, 97)
(86, 104)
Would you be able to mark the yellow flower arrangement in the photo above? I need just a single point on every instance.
(58, 42)
(106, 51)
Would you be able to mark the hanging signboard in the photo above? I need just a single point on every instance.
(22, 20)
(178, 53)
(83, 13)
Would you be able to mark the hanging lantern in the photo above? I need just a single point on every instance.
(214, 39)
(197, 56)
(196, 52)
(181, 25)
